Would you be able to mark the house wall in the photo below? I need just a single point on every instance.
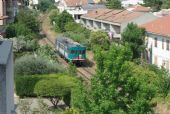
(159, 53)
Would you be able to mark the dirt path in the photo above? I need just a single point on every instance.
(47, 29)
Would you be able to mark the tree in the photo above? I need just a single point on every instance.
(54, 89)
(44, 5)
(99, 39)
(29, 19)
(62, 19)
(120, 86)
(166, 4)
(134, 36)
(114, 4)
(154, 4)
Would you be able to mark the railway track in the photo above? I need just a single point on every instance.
(83, 72)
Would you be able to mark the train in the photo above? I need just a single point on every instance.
(72, 51)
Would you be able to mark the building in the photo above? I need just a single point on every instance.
(127, 3)
(77, 7)
(158, 41)
(6, 78)
(33, 4)
(114, 21)
(8, 9)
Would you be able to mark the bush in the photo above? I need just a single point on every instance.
(100, 39)
(61, 20)
(54, 89)
(47, 52)
(25, 85)
(20, 44)
(29, 65)
(44, 5)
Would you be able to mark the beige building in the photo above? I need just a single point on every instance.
(115, 21)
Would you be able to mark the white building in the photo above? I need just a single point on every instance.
(158, 41)
(127, 3)
(77, 7)
(33, 4)
(114, 21)
(6, 78)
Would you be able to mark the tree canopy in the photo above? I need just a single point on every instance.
(120, 86)
(134, 36)
(54, 89)
(154, 4)
(114, 4)
(166, 4)
(99, 39)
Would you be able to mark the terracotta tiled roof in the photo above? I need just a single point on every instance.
(139, 8)
(76, 2)
(159, 26)
(114, 16)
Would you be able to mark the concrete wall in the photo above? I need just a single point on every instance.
(101, 25)
(7, 87)
(147, 17)
(160, 53)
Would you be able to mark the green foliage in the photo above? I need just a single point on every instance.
(120, 86)
(154, 4)
(53, 14)
(29, 19)
(70, 111)
(55, 89)
(44, 5)
(61, 20)
(29, 65)
(77, 33)
(20, 44)
(166, 4)
(26, 25)
(114, 4)
(80, 97)
(24, 85)
(10, 31)
(72, 71)
(100, 39)
(134, 36)
(74, 27)
(47, 52)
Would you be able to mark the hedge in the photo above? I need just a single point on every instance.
(24, 85)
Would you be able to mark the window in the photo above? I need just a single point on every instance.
(155, 60)
(162, 43)
(156, 41)
(167, 45)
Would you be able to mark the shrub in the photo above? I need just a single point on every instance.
(24, 85)
(47, 52)
(100, 39)
(44, 5)
(29, 65)
(52, 89)
(61, 20)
